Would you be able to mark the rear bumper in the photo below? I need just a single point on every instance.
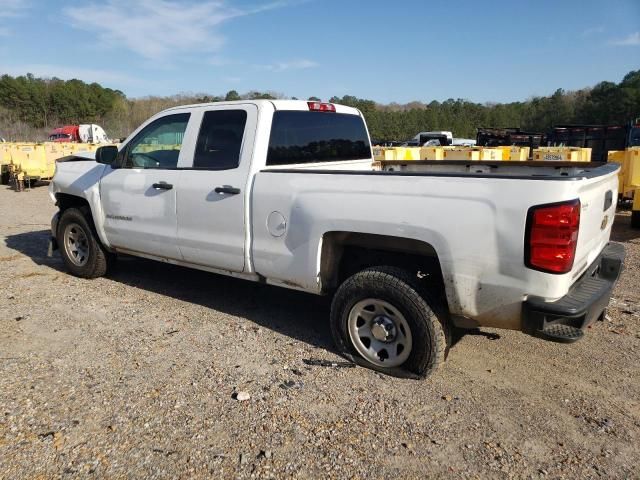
(586, 301)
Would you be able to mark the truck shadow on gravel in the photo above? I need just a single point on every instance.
(298, 315)
(622, 231)
(34, 245)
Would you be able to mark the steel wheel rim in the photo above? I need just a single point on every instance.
(369, 321)
(76, 244)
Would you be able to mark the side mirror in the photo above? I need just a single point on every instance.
(107, 154)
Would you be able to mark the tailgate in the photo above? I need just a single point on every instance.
(598, 200)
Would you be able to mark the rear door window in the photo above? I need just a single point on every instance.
(220, 140)
(310, 137)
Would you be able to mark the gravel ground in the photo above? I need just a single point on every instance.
(142, 374)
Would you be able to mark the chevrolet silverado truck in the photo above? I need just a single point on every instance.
(285, 193)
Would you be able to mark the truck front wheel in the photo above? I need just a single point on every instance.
(80, 248)
(381, 320)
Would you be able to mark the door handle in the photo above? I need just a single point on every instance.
(229, 190)
(162, 186)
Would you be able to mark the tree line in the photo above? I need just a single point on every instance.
(606, 103)
(30, 107)
(29, 104)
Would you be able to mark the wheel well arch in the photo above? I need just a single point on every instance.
(65, 201)
(346, 253)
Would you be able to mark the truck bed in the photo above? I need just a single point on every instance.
(461, 168)
(506, 169)
(473, 214)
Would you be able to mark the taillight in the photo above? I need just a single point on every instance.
(321, 107)
(551, 236)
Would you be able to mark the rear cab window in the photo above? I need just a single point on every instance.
(299, 137)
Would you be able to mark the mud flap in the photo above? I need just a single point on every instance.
(53, 245)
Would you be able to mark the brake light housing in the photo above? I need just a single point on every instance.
(321, 107)
(551, 237)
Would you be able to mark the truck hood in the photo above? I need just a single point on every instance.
(78, 176)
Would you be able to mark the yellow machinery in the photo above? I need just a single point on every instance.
(29, 159)
(5, 161)
(451, 153)
(629, 159)
(396, 153)
(36, 161)
(463, 153)
(437, 153)
(515, 154)
(4, 153)
(629, 178)
(432, 153)
(562, 154)
(5, 157)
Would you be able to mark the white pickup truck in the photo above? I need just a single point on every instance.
(284, 193)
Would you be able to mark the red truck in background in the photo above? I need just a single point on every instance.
(86, 133)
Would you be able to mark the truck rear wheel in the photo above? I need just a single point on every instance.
(80, 248)
(381, 320)
(635, 219)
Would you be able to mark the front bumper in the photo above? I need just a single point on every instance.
(565, 319)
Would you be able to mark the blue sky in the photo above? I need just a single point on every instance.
(386, 51)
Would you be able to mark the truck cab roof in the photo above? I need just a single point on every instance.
(301, 105)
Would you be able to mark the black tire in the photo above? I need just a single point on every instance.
(97, 261)
(635, 219)
(403, 291)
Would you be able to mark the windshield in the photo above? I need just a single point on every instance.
(58, 136)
